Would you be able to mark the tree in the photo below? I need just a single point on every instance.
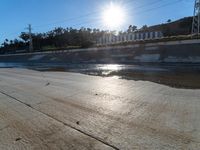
(144, 27)
(59, 38)
(24, 36)
(134, 28)
(6, 40)
(169, 20)
(11, 42)
(130, 29)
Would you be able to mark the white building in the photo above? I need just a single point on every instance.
(128, 37)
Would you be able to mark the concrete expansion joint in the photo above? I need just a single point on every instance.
(65, 124)
(28, 105)
(96, 138)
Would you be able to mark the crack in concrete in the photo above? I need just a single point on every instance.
(65, 124)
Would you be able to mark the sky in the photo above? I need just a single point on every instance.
(45, 15)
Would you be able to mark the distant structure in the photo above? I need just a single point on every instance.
(196, 18)
(30, 38)
(109, 38)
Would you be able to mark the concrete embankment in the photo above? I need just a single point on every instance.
(185, 51)
(59, 110)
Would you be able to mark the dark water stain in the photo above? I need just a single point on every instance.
(173, 75)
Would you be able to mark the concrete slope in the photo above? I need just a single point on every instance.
(179, 51)
(95, 113)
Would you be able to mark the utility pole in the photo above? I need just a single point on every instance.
(196, 18)
(30, 38)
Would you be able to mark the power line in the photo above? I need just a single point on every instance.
(69, 19)
(95, 12)
(91, 13)
(155, 8)
(151, 9)
(79, 17)
(148, 4)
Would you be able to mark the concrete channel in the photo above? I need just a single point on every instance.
(60, 110)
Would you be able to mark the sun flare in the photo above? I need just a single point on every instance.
(113, 16)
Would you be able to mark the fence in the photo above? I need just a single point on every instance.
(128, 37)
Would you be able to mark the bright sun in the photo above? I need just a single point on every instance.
(113, 16)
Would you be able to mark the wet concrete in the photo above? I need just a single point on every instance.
(173, 75)
(60, 110)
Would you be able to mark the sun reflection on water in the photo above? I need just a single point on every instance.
(111, 67)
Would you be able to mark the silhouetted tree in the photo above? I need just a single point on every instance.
(144, 27)
(169, 20)
(24, 36)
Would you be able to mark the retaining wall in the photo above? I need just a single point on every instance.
(185, 51)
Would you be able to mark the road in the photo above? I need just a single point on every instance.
(60, 110)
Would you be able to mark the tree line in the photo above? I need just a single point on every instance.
(58, 38)
(64, 38)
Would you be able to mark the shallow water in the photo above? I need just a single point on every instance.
(178, 75)
(84, 67)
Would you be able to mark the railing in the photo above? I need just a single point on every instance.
(128, 37)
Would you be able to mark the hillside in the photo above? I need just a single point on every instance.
(179, 27)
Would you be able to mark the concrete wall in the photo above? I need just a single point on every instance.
(187, 51)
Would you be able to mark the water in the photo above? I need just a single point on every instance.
(8, 65)
(174, 75)
(106, 68)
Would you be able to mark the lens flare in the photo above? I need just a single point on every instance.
(113, 16)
